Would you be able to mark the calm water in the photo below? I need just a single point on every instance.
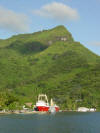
(59, 123)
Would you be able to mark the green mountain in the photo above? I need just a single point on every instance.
(50, 62)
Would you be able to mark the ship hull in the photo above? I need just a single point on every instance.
(43, 108)
(57, 109)
(46, 108)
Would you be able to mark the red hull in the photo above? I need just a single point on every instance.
(43, 108)
(57, 109)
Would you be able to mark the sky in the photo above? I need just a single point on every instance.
(80, 17)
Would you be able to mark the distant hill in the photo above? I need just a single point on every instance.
(50, 62)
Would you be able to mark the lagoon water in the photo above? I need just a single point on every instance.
(47, 123)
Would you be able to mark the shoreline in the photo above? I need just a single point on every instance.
(22, 112)
(36, 112)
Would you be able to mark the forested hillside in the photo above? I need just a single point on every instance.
(50, 62)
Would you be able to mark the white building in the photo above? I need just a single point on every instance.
(83, 109)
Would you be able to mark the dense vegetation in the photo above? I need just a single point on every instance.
(50, 62)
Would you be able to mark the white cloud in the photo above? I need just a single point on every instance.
(12, 21)
(57, 11)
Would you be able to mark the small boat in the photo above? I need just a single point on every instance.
(53, 107)
(43, 105)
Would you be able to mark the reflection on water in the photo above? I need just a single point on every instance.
(47, 123)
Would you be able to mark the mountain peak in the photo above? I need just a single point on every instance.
(61, 31)
(60, 27)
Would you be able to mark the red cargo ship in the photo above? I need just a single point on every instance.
(43, 105)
